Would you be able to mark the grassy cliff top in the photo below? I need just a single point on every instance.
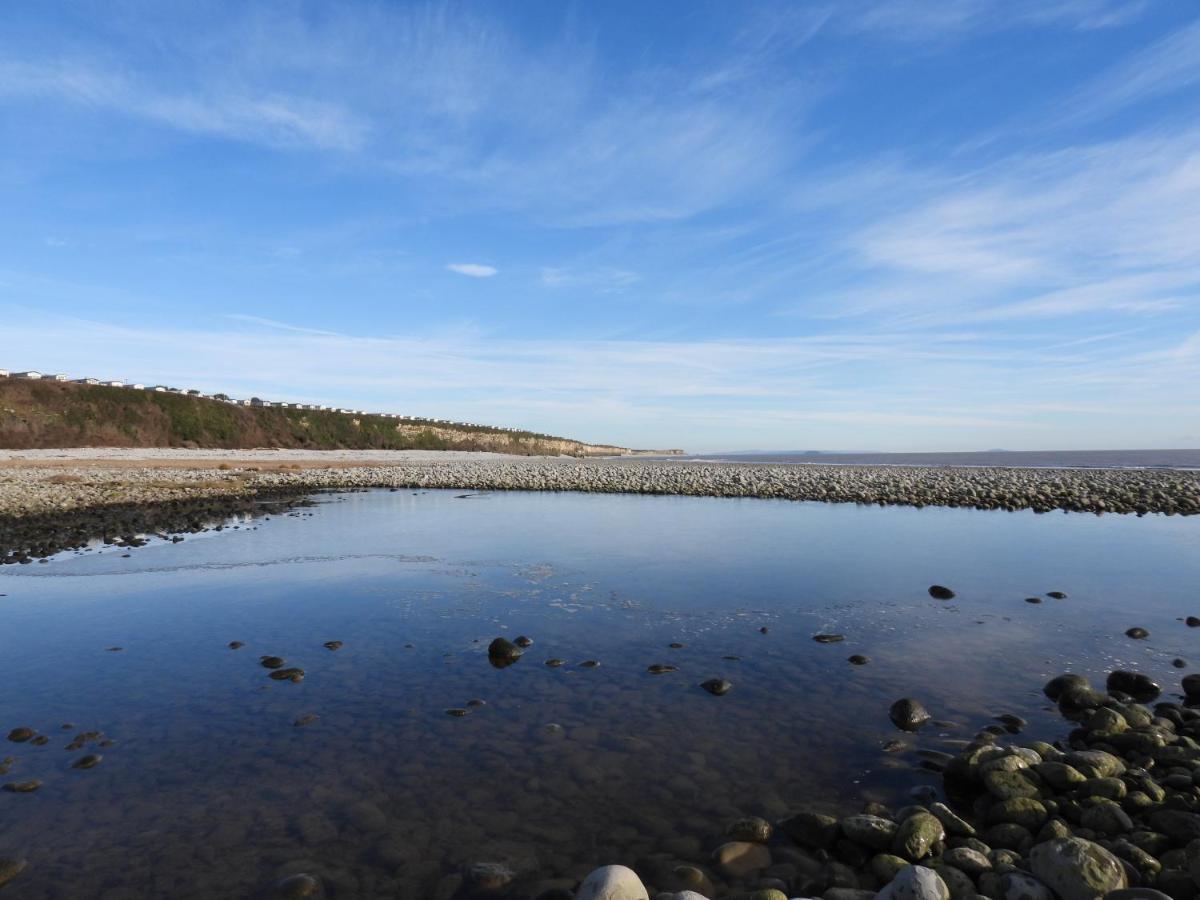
(48, 414)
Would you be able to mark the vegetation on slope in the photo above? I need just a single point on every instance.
(44, 414)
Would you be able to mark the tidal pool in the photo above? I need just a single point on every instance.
(210, 789)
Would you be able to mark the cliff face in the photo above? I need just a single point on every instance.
(48, 414)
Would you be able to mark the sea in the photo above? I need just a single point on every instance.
(215, 779)
(1053, 459)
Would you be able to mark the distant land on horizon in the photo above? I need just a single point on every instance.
(1181, 458)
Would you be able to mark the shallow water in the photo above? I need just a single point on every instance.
(210, 790)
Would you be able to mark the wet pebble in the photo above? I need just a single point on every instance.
(828, 638)
(21, 735)
(332, 645)
(661, 668)
(40, 741)
(271, 662)
(22, 787)
(940, 592)
(1056, 595)
(908, 714)
(716, 686)
(87, 762)
(1193, 621)
(1137, 633)
(1179, 663)
(555, 662)
(291, 674)
(236, 645)
(523, 641)
(858, 659)
(589, 664)
(675, 645)
(457, 712)
(10, 868)
(475, 703)
(1033, 599)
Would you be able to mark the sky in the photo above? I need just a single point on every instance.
(843, 225)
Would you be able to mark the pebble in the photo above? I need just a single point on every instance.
(504, 651)
(908, 714)
(457, 711)
(555, 662)
(89, 761)
(332, 645)
(858, 659)
(10, 868)
(236, 645)
(291, 674)
(523, 641)
(941, 592)
(271, 662)
(1056, 595)
(716, 686)
(737, 859)
(661, 668)
(612, 883)
(828, 638)
(1137, 633)
(20, 735)
(589, 664)
(22, 787)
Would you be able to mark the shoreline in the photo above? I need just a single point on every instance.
(47, 503)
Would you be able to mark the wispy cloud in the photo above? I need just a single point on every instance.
(472, 270)
(259, 116)
(1171, 64)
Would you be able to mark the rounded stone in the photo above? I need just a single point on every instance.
(737, 859)
(1077, 869)
(908, 714)
(940, 592)
(917, 835)
(915, 883)
(612, 883)
(753, 829)
(716, 686)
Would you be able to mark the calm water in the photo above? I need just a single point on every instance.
(210, 790)
(1054, 459)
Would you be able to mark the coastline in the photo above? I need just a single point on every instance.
(50, 499)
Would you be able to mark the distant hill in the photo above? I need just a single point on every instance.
(48, 414)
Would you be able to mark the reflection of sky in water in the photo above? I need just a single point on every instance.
(210, 789)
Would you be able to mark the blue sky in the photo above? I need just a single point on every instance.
(898, 224)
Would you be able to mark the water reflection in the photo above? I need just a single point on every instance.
(209, 788)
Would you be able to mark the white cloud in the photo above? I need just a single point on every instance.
(240, 113)
(472, 270)
(1168, 65)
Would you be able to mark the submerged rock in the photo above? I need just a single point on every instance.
(21, 735)
(858, 659)
(292, 674)
(716, 686)
(89, 761)
(522, 641)
(661, 668)
(1140, 687)
(332, 645)
(300, 886)
(828, 638)
(10, 868)
(941, 592)
(23, 787)
(271, 662)
(1137, 633)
